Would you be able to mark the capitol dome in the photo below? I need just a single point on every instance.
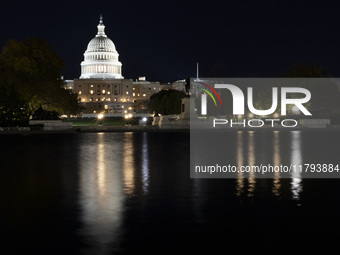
(101, 58)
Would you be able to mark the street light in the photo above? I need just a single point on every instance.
(295, 110)
(100, 117)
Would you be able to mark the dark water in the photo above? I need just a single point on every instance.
(130, 193)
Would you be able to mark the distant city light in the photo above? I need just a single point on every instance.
(295, 109)
(276, 115)
(100, 116)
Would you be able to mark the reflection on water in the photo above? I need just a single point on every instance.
(131, 193)
(239, 158)
(245, 144)
(101, 189)
(145, 163)
(251, 162)
(111, 166)
(296, 160)
(276, 162)
(128, 164)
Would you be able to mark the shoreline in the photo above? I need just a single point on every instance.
(108, 129)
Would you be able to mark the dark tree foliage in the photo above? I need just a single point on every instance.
(42, 114)
(167, 102)
(325, 101)
(301, 70)
(33, 70)
(13, 109)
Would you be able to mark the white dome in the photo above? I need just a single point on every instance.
(101, 58)
(101, 44)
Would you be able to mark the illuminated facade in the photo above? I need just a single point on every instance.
(101, 88)
(101, 57)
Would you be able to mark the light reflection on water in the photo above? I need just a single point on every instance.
(101, 189)
(128, 164)
(112, 166)
(131, 191)
(145, 163)
(296, 160)
(276, 162)
(109, 174)
(250, 147)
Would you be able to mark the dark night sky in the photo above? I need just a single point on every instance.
(163, 40)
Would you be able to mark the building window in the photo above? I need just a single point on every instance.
(127, 92)
(98, 92)
(91, 86)
(109, 92)
(104, 92)
(91, 92)
(91, 99)
(79, 92)
(134, 88)
(133, 94)
(83, 100)
(144, 94)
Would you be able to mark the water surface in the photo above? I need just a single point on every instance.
(127, 193)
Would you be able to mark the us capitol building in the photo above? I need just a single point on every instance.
(101, 88)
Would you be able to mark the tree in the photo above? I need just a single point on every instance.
(167, 102)
(301, 70)
(13, 109)
(33, 69)
(325, 102)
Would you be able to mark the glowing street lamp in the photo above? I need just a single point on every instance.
(295, 110)
(100, 117)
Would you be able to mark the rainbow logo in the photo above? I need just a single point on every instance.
(209, 93)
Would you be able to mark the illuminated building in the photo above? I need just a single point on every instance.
(101, 88)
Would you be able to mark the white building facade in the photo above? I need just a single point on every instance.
(101, 88)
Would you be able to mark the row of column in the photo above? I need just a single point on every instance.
(101, 69)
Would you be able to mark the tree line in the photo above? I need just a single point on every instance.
(30, 79)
